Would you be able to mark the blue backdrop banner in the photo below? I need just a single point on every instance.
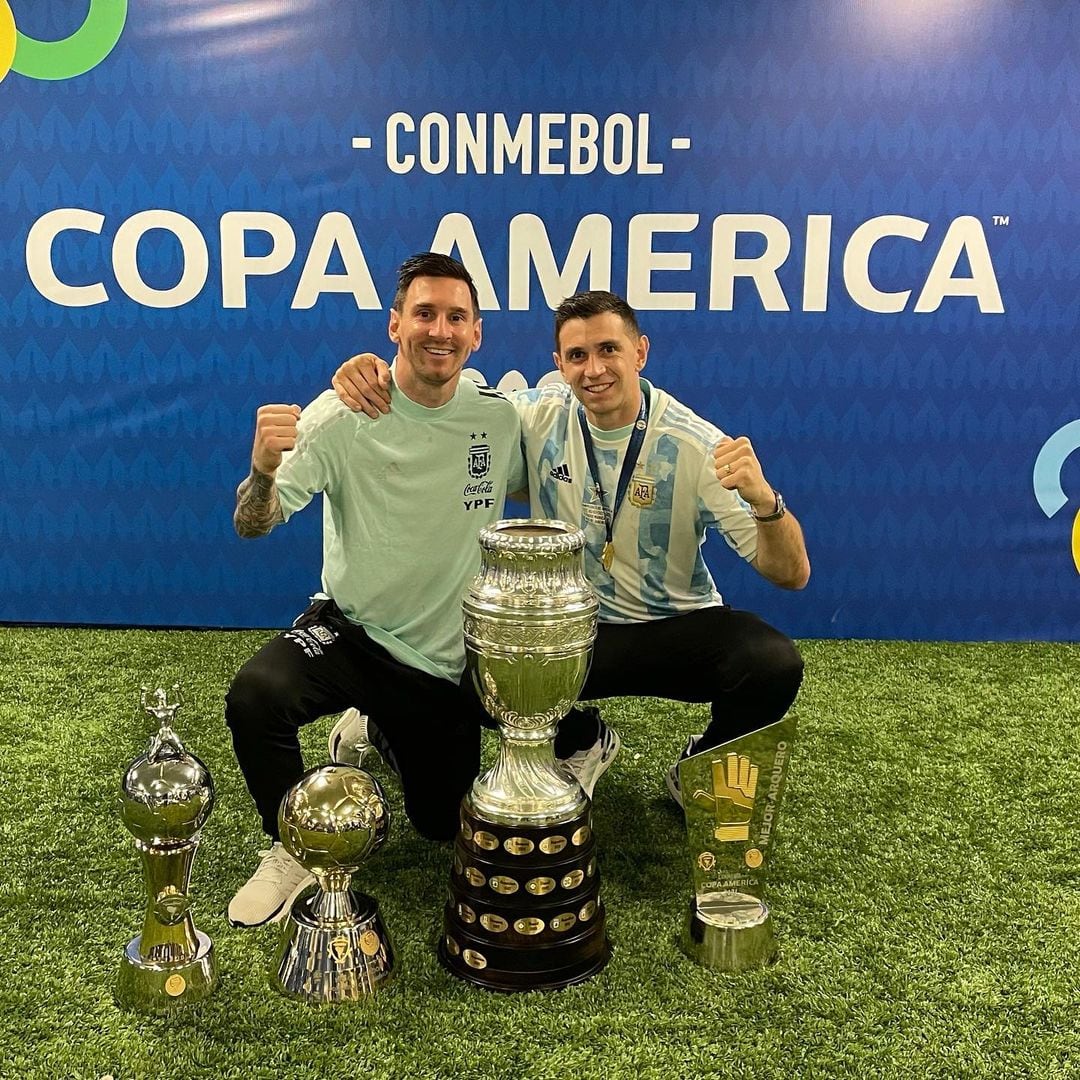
(849, 229)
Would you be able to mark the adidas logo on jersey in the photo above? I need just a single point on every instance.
(562, 472)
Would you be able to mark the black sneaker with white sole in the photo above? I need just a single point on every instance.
(589, 765)
(672, 775)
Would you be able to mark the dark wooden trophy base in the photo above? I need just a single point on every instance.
(524, 909)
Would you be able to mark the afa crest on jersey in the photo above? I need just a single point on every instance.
(642, 491)
(479, 460)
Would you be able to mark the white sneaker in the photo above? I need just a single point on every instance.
(270, 891)
(348, 742)
(672, 775)
(589, 765)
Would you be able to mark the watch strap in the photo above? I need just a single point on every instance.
(778, 511)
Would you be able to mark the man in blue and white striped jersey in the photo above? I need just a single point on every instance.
(645, 477)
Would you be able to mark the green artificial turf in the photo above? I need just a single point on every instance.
(925, 886)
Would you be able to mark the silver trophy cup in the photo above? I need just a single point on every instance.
(167, 795)
(334, 946)
(530, 623)
(524, 911)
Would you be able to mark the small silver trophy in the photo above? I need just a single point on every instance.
(334, 947)
(524, 911)
(167, 795)
(731, 797)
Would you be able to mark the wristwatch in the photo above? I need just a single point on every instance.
(778, 511)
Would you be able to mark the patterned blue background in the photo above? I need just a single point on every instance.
(904, 442)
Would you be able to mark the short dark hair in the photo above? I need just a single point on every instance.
(584, 305)
(431, 264)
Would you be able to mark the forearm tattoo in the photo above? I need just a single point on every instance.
(257, 507)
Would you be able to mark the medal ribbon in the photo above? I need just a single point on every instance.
(633, 448)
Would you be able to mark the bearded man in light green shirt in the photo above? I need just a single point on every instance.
(403, 503)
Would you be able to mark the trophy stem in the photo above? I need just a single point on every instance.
(334, 904)
(526, 785)
(168, 934)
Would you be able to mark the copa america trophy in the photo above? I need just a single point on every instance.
(524, 910)
(167, 795)
(731, 797)
(334, 946)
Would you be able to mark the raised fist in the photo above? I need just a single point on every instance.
(275, 432)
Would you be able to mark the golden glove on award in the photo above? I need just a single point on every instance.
(732, 799)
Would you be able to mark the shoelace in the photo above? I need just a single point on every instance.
(274, 860)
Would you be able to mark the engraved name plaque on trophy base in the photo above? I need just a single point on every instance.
(731, 797)
(524, 910)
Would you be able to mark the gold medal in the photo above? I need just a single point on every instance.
(607, 556)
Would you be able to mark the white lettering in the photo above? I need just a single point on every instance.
(456, 230)
(335, 230)
(434, 143)
(471, 144)
(815, 293)
(39, 257)
(642, 261)
(857, 261)
(530, 246)
(618, 126)
(509, 148)
(541, 141)
(237, 265)
(194, 257)
(965, 234)
(584, 156)
(549, 144)
(762, 269)
(529, 251)
(645, 167)
(398, 121)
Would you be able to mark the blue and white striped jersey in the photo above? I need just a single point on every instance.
(673, 497)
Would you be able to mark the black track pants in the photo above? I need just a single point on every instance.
(325, 664)
(748, 671)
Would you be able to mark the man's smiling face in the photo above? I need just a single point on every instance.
(436, 331)
(600, 358)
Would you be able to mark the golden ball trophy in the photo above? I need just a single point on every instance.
(524, 909)
(166, 797)
(334, 946)
(731, 797)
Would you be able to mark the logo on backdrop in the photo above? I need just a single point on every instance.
(64, 59)
(1046, 478)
